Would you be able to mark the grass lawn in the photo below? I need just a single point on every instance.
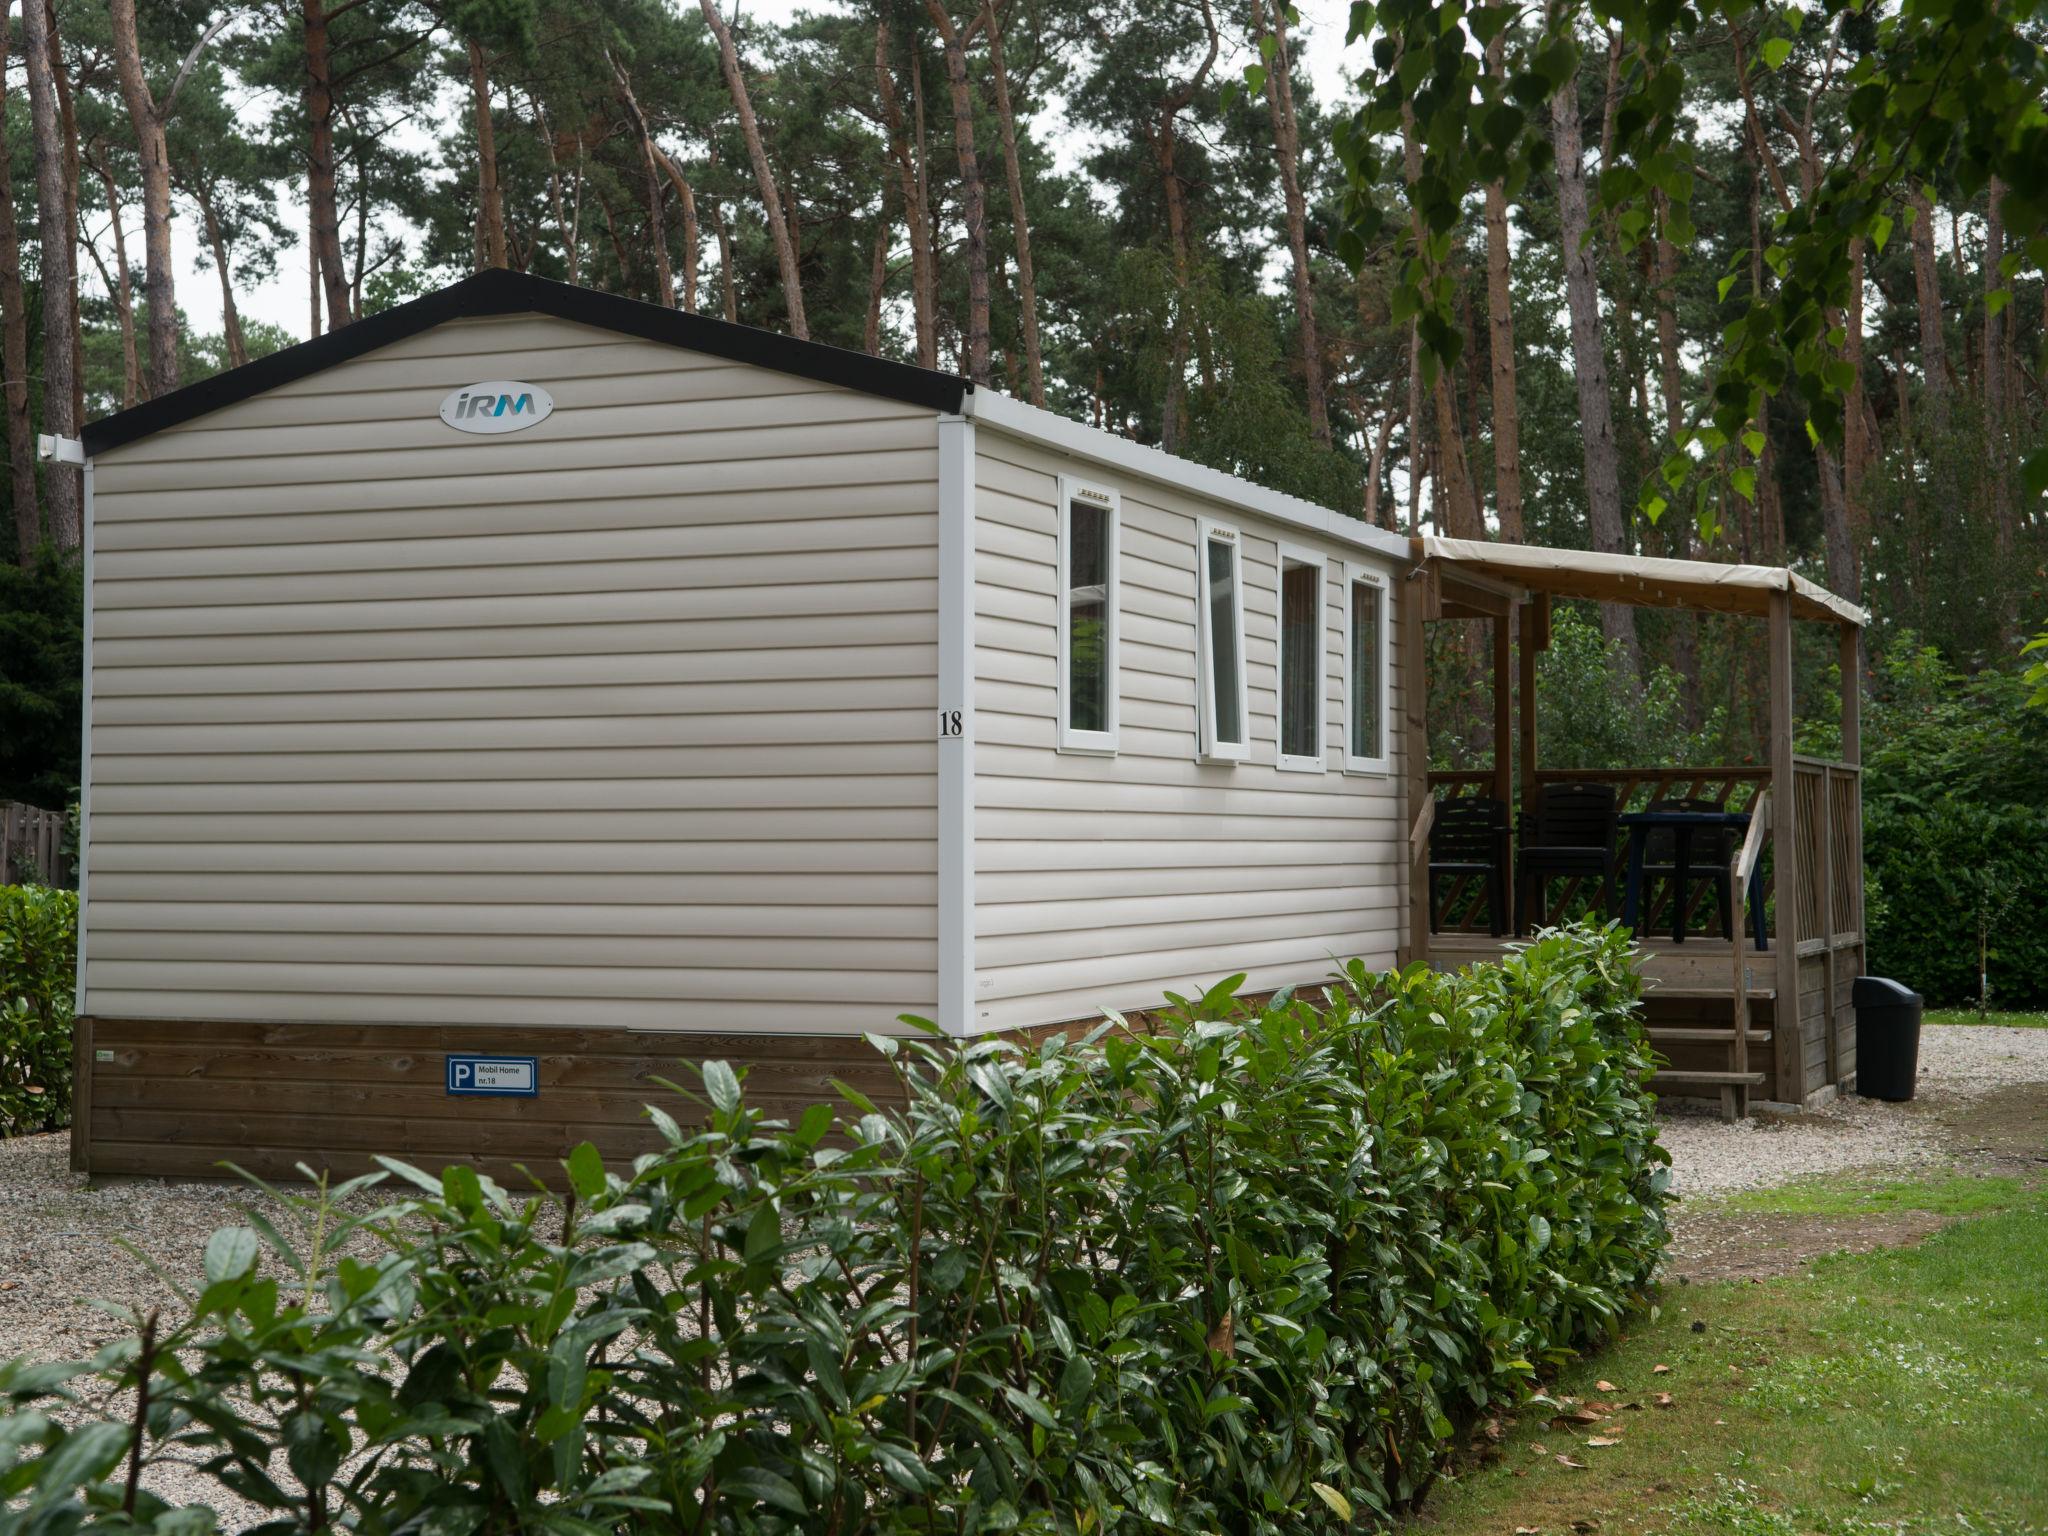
(1903, 1391)
(2029, 1020)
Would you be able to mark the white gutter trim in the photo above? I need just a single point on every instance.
(59, 450)
(1016, 418)
(954, 728)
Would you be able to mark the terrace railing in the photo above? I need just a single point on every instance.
(1737, 787)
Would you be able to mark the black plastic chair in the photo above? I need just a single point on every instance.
(1469, 836)
(1707, 860)
(1571, 835)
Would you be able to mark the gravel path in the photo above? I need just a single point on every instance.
(1958, 1064)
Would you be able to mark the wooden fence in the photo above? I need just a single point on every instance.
(32, 846)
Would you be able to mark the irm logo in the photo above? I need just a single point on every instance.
(496, 406)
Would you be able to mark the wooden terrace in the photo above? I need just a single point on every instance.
(1731, 1015)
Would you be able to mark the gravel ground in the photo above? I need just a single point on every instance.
(1958, 1063)
(59, 1248)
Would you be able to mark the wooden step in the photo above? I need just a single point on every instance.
(1659, 1035)
(1709, 1079)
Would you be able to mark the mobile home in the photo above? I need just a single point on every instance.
(495, 701)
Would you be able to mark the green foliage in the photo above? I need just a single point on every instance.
(38, 955)
(42, 662)
(1955, 829)
(1927, 92)
(1243, 1274)
(1593, 716)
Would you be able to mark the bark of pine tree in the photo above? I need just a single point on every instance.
(878, 282)
(1589, 360)
(916, 223)
(21, 432)
(321, 196)
(1020, 220)
(562, 223)
(1165, 146)
(1927, 293)
(62, 490)
(490, 197)
(67, 117)
(1500, 324)
(1995, 369)
(973, 197)
(771, 199)
(651, 161)
(230, 314)
(159, 281)
(1287, 143)
(120, 290)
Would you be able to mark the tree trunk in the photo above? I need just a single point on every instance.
(490, 199)
(230, 316)
(312, 282)
(917, 226)
(1287, 142)
(1589, 360)
(1173, 408)
(728, 293)
(1995, 369)
(59, 280)
(664, 280)
(771, 200)
(1376, 466)
(159, 279)
(67, 118)
(1414, 444)
(1020, 222)
(1500, 316)
(568, 230)
(878, 281)
(1165, 143)
(21, 432)
(320, 174)
(1927, 292)
(122, 292)
(973, 202)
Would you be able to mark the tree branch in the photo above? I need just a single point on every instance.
(163, 109)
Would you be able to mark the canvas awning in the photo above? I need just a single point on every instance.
(1643, 581)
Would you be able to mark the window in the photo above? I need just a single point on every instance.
(1088, 619)
(1219, 621)
(1365, 672)
(1301, 660)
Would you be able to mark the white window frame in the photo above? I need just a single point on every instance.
(1208, 747)
(1072, 489)
(1369, 576)
(1300, 554)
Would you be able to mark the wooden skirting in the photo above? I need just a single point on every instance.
(179, 1099)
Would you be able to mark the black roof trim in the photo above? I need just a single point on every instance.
(498, 292)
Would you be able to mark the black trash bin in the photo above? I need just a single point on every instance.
(1887, 1038)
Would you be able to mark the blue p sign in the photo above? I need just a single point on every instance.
(515, 1077)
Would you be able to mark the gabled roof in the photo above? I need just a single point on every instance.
(499, 292)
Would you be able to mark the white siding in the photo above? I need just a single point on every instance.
(621, 720)
(1105, 881)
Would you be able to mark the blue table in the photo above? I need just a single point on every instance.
(1683, 824)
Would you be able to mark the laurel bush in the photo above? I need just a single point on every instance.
(1245, 1269)
(38, 956)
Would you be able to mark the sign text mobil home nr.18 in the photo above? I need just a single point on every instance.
(496, 406)
(516, 1077)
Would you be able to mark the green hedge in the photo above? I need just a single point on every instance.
(1247, 1274)
(38, 961)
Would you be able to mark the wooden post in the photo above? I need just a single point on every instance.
(1785, 1033)
(1415, 601)
(1503, 709)
(1852, 695)
(1535, 639)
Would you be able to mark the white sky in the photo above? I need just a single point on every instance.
(282, 301)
